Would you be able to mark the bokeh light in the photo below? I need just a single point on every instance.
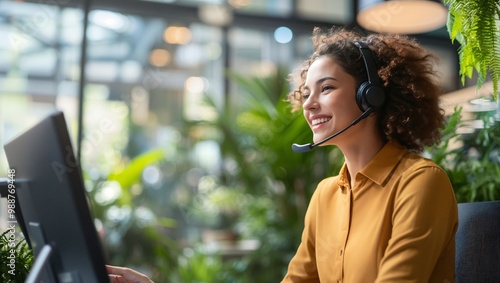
(177, 35)
(159, 57)
(283, 35)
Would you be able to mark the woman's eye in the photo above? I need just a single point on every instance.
(325, 88)
(305, 97)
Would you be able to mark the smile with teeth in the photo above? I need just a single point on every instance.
(320, 120)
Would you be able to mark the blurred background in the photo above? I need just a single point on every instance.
(176, 113)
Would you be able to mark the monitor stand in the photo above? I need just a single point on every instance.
(41, 268)
(40, 263)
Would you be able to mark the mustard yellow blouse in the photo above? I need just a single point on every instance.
(397, 224)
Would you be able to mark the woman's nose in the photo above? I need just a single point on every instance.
(310, 103)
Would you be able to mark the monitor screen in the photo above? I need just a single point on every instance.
(51, 195)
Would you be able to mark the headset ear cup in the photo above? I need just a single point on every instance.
(369, 96)
(361, 96)
(374, 97)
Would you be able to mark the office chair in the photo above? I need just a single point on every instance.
(478, 242)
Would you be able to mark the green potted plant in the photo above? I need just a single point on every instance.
(215, 210)
(474, 166)
(198, 264)
(472, 161)
(16, 258)
(134, 235)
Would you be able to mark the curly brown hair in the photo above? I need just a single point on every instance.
(411, 113)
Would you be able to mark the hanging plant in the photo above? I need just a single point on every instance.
(475, 25)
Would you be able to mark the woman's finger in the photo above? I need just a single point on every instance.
(126, 275)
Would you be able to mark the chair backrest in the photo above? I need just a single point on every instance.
(478, 242)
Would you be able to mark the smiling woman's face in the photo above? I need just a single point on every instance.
(330, 103)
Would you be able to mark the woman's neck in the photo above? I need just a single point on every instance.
(358, 154)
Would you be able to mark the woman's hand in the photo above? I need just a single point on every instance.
(126, 275)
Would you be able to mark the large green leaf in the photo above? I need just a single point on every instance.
(131, 174)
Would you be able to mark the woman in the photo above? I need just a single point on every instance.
(390, 215)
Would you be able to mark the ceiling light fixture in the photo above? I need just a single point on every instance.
(401, 16)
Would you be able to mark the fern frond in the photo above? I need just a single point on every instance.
(475, 25)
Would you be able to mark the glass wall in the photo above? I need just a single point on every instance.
(39, 63)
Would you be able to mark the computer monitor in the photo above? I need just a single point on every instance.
(54, 205)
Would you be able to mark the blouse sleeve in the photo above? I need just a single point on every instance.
(302, 267)
(424, 223)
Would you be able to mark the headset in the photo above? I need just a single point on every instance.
(370, 94)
